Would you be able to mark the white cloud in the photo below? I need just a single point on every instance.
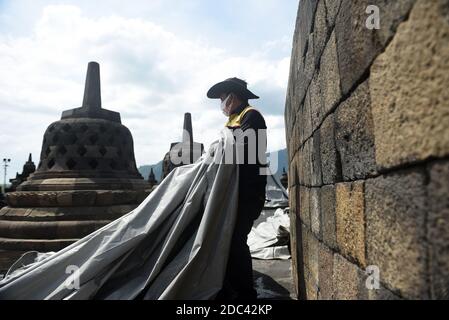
(150, 75)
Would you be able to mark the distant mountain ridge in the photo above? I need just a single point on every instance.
(157, 168)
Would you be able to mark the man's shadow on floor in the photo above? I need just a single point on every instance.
(268, 289)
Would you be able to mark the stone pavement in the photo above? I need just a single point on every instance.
(273, 279)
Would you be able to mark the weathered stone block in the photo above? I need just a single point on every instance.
(393, 13)
(315, 212)
(290, 148)
(293, 171)
(293, 101)
(296, 136)
(300, 127)
(330, 76)
(291, 141)
(316, 176)
(294, 225)
(290, 119)
(104, 198)
(328, 224)
(311, 287)
(83, 198)
(316, 101)
(330, 166)
(28, 199)
(306, 70)
(309, 162)
(350, 220)
(47, 199)
(292, 199)
(382, 294)
(310, 61)
(306, 119)
(332, 8)
(313, 262)
(304, 201)
(300, 165)
(355, 135)
(304, 22)
(12, 199)
(396, 239)
(346, 279)
(320, 29)
(292, 106)
(64, 198)
(357, 45)
(325, 273)
(305, 236)
(409, 89)
(306, 159)
(438, 229)
(123, 197)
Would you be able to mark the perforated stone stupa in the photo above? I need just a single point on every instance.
(87, 177)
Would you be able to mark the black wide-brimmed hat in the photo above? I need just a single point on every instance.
(235, 85)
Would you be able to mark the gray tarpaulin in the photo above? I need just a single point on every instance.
(277, 196)
(270, 235)
(269, 239)
(173, 246)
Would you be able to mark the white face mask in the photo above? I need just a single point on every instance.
(224, 108)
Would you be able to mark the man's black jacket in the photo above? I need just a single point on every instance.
(251, 182)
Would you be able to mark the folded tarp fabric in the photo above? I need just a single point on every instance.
(269, 239)
(174, 245)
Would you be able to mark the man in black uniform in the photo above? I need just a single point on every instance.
(234, 96)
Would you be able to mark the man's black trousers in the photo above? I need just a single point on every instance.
(238, 282)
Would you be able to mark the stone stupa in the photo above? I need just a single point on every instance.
(187, 151)
(152, 179)
(28, 168)
(86, 178)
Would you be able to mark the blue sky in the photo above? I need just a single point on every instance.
(157, 58)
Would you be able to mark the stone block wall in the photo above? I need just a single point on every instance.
(367, 125)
